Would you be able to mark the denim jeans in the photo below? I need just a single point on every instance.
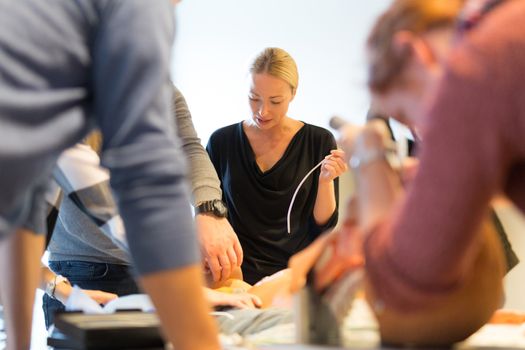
(110, 278)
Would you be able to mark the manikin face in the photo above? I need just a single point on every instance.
(269, 98)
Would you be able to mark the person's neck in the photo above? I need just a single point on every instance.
(285, 127)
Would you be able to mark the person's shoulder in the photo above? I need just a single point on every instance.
(226, 133)
(320, 138)
(318, 132)
(226, 130)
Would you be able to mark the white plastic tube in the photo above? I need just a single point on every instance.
(295, 195)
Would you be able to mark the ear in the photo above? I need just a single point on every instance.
(418, 48)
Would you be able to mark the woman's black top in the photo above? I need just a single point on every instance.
(258, 201)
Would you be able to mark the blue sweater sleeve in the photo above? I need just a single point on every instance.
(132, 94)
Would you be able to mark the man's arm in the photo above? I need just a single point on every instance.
(19, 270)
(219, 244)
(131, 88)
(61, 289)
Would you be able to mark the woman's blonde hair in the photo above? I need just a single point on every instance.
(417, 16)
(278, 63)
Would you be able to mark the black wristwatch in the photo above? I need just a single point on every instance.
(215, 207)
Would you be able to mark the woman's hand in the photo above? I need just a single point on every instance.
(239, 300)
(333, 166)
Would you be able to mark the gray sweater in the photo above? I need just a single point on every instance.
(88, 227)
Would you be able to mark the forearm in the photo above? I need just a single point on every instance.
(179, 300)
(378, 186)
(205, 184)
(325, 203)
(273, 286)
(20, 270)
(377, 190)
(61, 292)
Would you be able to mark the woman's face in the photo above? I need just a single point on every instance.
(269, 98)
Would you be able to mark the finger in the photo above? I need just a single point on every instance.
(257, 302)
(328, 163)
(206, 266)
(329, 171)
(243, 304)
(339, 153)
(337, 163)
(239, 301)
(238, 251)
(215, 268)
(252, 301)
(232, 256)
(226, 268)
(248, 301)
(101, 297)
(338, 166)
(107, 297)
(341, 164)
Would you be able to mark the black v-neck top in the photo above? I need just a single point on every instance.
(258, 201)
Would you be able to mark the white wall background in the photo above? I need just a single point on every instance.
(216, 40)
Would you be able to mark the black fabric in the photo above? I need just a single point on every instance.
(51, 221)
(258, 201)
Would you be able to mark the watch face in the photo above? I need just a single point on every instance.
(219, 208)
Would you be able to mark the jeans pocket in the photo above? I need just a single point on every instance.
(80, 270)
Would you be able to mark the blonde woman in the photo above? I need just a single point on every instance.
(261, 161)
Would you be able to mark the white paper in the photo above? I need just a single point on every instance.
(80, 301)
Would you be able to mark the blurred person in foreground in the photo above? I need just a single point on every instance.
(66, 68)
(433, 265)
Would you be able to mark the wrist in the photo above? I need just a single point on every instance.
(57, 286)
(323, 181)
(216, 208)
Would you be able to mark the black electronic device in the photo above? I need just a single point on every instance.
(120, 330)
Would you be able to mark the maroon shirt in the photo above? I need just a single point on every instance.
(474, 148)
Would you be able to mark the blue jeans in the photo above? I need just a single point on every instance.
(110, 278)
